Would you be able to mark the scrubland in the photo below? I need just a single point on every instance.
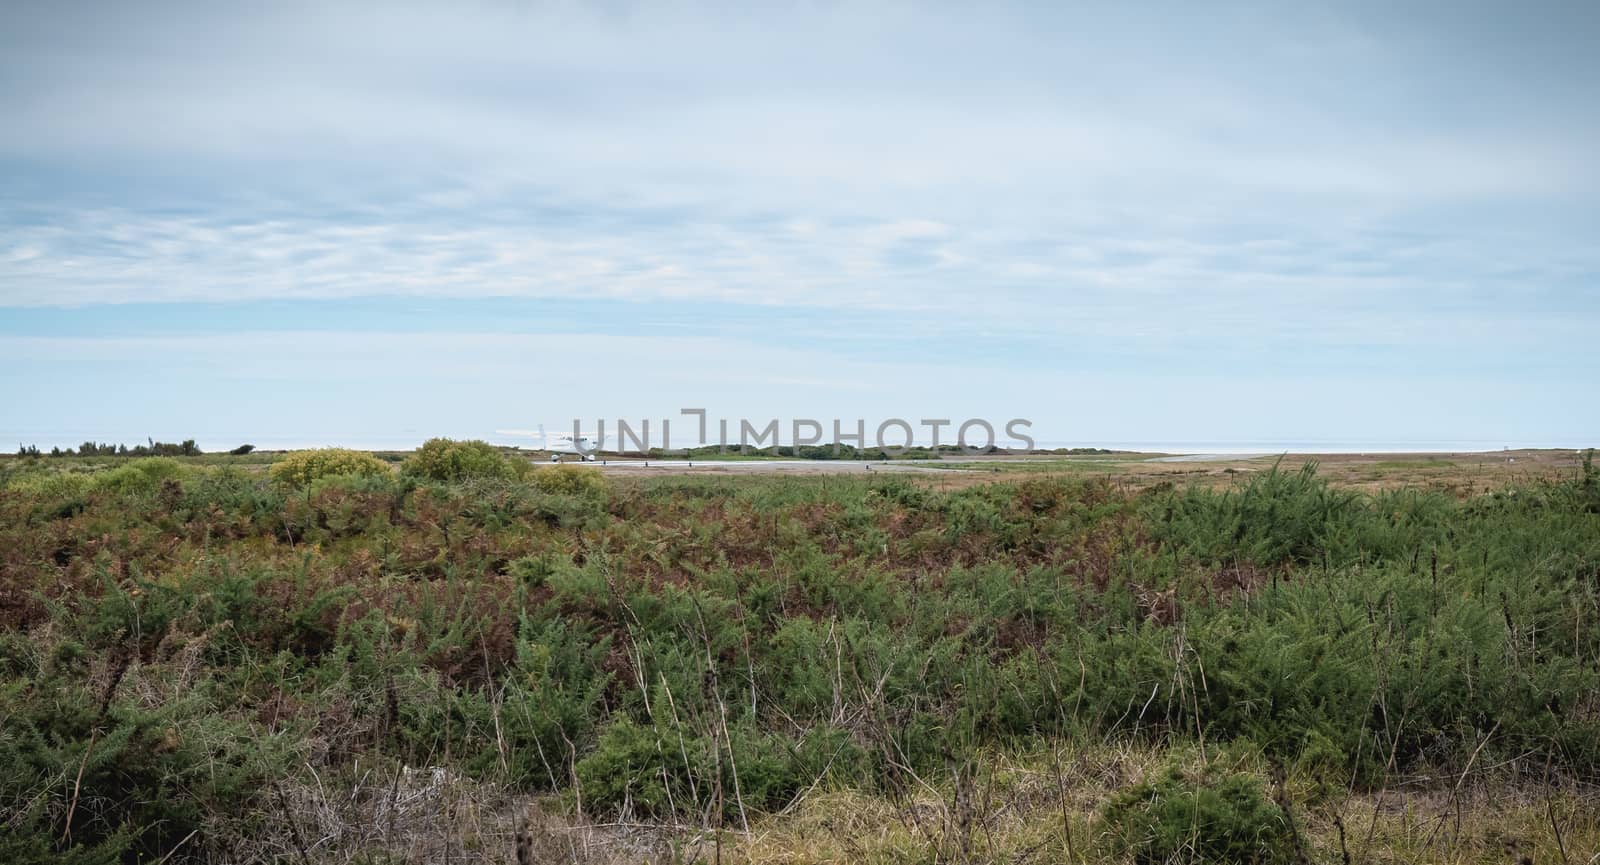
(467, 658)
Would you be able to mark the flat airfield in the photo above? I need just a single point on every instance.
(1462, 473)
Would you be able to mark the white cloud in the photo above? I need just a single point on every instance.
(1239, 179)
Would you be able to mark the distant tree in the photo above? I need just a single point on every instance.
(241, 450)
(186, 448)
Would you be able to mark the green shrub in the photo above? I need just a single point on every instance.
(1180, 818)
(140, 476)
(634, 764)
(450, 461)
(53, 485)
(1277, 517)
(144, 777)
(134, 476)
(658, 769)
(302, 467)
(569, 480)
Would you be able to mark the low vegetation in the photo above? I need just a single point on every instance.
(1174, 817)
(341, 661)
(301, 468)
(451, 461)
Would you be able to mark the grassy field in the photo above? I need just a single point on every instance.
(460, 657)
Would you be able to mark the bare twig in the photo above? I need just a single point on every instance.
(1456, 790)
(175, 847)
(66, 833)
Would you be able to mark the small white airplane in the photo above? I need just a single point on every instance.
(585, 446)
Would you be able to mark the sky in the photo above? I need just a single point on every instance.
(1245, 224)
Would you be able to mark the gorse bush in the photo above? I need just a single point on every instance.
(152, 776)
(300, 468)
(1276, 518)
(1180, 818)
(447, 460)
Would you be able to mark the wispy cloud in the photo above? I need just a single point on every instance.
(1088, 280)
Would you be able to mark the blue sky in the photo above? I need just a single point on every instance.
(371, 223)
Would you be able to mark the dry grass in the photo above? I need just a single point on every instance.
(1459, 474)
(1038, 807)
(392, 814)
